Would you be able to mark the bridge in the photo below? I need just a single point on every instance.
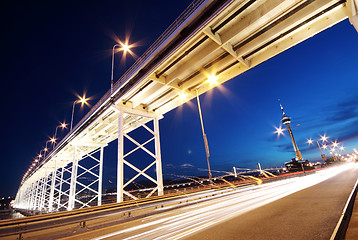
(210, 43)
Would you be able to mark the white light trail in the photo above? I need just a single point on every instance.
(187, 220)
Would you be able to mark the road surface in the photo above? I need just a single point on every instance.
(297, 208)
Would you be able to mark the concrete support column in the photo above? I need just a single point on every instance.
(60, 190)
(158, 157)
(100, 177)
(120, 157)
(43, 190)
(36, 195)
(52, 191)
(72, 195)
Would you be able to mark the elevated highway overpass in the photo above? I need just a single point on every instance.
(220, 39)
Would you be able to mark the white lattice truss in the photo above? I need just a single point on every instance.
(139, 119)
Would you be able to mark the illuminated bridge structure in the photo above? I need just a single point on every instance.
(211, 37)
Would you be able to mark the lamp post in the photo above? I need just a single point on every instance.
(124, 48)
(52, 140)
(323, 139)
(212, 80)
(63, 125)
(82, 100)
(204, 137)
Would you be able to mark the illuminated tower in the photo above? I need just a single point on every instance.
(287, 121)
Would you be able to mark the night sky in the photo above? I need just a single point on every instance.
(53, 51)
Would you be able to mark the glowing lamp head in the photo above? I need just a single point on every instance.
(324, 138)
(53, 140)
(40, 156)
(45, 149)
(63, 125)
(309, 141)
(182, 96)
(125, 47)
(213, 80)
(83, 100)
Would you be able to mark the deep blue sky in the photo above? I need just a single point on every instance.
(52, 51)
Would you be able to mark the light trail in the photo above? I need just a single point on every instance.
(187, 220)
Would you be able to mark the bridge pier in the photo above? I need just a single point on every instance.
(37, 197)
(52, 190)
(43, 190)
(141, 118)
(60, 189)
(85, 192)
(71, 197)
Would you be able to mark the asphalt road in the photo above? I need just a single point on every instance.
(311, 213)
(299, 208)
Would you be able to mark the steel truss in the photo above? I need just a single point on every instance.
(81, 192)
(141, 119)
(74, 180)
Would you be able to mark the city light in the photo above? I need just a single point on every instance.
(310, 141)
(279, 131)
(324, 138)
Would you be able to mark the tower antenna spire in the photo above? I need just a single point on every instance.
(283, 112)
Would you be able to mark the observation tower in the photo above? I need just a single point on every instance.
(287, 121)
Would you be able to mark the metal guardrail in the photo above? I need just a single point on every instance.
(125, 77)
(340, 231)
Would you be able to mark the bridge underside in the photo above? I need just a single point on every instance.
(220, 38)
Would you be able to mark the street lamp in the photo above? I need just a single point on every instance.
(63, 125)
(124, 48)
(82, 100)
(324, 139)
(52, 140)
(310, 141)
